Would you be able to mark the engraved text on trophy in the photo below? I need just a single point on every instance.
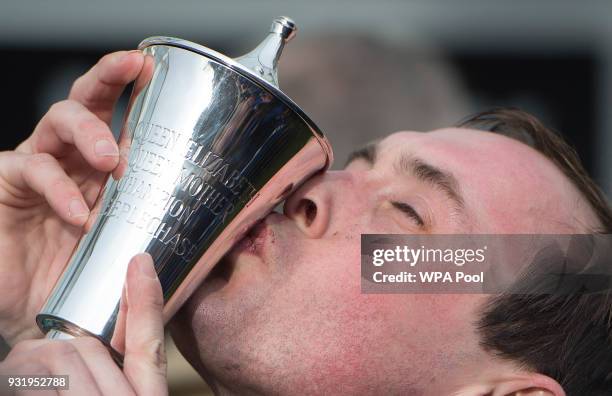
(171, 182)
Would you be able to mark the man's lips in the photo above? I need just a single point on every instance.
(253, 244)
(260, 238)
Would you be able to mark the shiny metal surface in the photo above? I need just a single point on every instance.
(246, 72)
(207, 151)
(263, 60)
(58, 335)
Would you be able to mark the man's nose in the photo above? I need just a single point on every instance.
(311, 205)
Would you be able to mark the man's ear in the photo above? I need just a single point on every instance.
(528, 384)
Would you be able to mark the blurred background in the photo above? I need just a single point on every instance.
(360, 69)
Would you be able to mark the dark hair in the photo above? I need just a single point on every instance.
(567, 337)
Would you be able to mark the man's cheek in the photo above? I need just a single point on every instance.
(334, 264)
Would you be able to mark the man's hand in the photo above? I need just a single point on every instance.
(88, 364)
(48, 185)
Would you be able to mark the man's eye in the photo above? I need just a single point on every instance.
(409, 210)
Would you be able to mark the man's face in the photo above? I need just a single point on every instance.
(285, 311)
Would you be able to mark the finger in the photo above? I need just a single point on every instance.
(68, 123)
(145, 358)
(125, 140)
(108, 376)
(63, 358)
(42, 174)
(101, 86)
(25, 368)
(118, 338)
(105, 372)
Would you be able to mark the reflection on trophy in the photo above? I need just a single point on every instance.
(209, 146)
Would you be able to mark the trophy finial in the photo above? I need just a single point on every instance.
(285, 27)
(263, 59)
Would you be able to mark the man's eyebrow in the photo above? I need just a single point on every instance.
(427, 173)
(366, 153)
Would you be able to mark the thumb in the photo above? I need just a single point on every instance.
(145, 357)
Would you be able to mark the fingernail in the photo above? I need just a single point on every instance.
(76, 208)
(146, 268)
(104, 148)
(126, 54)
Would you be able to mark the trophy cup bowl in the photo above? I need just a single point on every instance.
(209, 146)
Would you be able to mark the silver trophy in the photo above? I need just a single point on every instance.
(209, 146)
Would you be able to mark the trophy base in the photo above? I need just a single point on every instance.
(56, 328)
(58, 335)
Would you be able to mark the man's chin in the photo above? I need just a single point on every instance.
(204, 330)
(198, 325)
(208, 329)
(185, 340)
(219, 305)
